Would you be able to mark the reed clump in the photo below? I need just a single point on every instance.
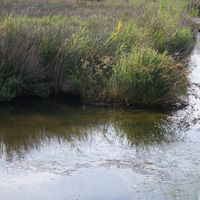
(147, 77)
(112, 52)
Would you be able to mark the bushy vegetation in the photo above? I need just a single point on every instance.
(105, 51)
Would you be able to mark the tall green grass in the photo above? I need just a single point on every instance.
(146, 77)
(121, 56)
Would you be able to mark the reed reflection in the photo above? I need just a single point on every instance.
(34, 125)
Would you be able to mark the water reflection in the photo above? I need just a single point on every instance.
(38, 124)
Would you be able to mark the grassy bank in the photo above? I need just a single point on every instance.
(104, 51)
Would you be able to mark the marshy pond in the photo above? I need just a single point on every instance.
(51, 150)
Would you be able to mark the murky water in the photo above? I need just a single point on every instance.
(51, 150)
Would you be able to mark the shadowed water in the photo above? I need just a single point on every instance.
(53, 150)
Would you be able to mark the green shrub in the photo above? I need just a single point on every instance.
(146, 77)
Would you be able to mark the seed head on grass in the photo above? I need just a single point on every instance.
(119, 26)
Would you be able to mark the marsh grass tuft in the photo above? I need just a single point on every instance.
(146, 77)
(107, 51)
